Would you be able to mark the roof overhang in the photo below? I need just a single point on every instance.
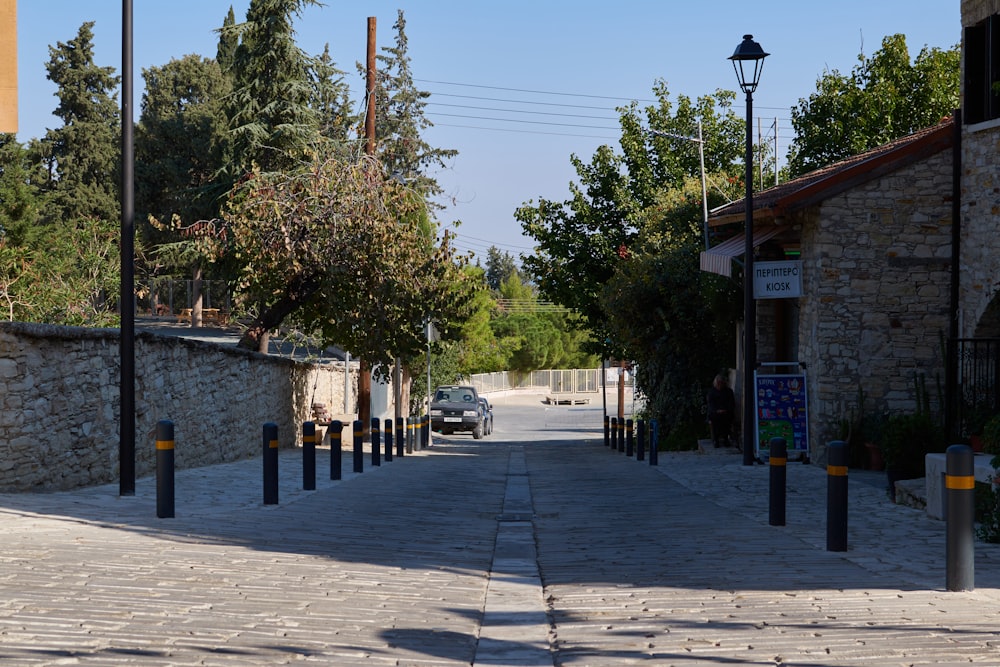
(720, 258)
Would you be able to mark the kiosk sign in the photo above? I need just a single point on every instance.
(777, 280)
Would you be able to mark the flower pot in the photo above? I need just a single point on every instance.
(977, 442)
(875, 460)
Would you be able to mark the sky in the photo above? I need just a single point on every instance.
(517, 86)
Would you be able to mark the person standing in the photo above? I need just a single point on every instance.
(721, 410)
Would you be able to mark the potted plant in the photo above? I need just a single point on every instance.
(991, 436)
(872, 433)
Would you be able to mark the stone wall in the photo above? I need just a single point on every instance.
(876, 263)
(60, 402)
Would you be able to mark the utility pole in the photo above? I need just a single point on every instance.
(126, 300)
(364, 372)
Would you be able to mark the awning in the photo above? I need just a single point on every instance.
(720, 258)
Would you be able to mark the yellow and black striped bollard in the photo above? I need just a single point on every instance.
(359, 446)
(270, 463)
(336, 449)
(836, 496)
(960, 504)
(164, 469)
(778, 459)
(309, 456)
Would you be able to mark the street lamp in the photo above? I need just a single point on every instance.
(748, 61)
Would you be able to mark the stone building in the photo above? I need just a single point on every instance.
(873, 234)
(900, 261)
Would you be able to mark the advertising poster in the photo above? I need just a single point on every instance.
(782, 412)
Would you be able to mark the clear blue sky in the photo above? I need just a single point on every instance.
(487, 54)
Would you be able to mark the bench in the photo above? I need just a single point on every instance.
(935, 465)
(207, 315)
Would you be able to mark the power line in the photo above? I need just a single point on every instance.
(521, 111)
(527, 122)
(507, 129)
(534, 92)
(534, 102)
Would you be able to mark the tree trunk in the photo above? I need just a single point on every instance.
(196, 296)
(271, 316)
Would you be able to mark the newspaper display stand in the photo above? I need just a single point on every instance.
(781, 410)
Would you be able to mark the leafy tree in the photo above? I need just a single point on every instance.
(269, 111)
(400, 120)
(82, 154)
(181, 141)
(479, 351)
(675, 321)
(614, 207)
(343, 250)
(884, 97)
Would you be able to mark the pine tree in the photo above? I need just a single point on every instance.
(84, 156)
(269, 111)
(331, 99)
(400, 120)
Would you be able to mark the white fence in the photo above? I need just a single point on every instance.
(573, 381)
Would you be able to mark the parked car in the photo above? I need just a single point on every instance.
(487, 415)
(457, 408)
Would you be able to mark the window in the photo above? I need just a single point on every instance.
(982, 71)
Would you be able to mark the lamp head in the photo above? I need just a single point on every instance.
(748, 62)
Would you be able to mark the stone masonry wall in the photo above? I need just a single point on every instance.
(876, 265)
(59, 402)
(980, 222)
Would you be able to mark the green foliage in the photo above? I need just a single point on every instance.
(884, 97)
(400, 121)
(674, 321)
(991, 436)
(269, 112)
(342, 250)
(18, 197)
(181, 144)
(82, 156)
(500, 267)
(987, 512)
(619, 206)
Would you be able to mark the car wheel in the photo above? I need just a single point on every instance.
(477, 432)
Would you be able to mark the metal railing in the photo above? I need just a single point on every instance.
(554, 381)
(977, 361)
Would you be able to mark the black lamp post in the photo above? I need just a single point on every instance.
(748, 61)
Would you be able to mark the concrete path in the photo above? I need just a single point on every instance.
(535, 546)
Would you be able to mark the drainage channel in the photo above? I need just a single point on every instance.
(515, 629)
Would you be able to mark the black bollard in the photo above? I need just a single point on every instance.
(779, 470)
(336, 449)
(388, 440)
(614, 434)
(607, 431)
(400, 436)
(640, 440)
(960, 506)
(308, 456)
(425, 431)
(376, 442)
(359, 446)
(409, 435)
(164, 469)
(654, 442)
(836, 496)
(270, 463)
(629, 439)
